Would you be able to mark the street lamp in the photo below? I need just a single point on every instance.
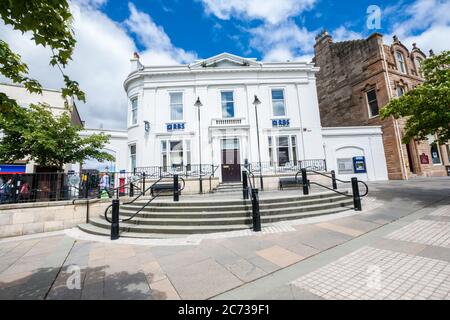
(257, 103)
(199, 104)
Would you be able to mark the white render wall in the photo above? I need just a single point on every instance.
(152, 86)
(349, 142)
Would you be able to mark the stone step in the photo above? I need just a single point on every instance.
(242, 218)
(137, 226)
(244, 205)
(232, 202)
(239, 210)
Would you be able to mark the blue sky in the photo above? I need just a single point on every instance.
(181, 31)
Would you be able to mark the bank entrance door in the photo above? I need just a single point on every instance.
(231, 160)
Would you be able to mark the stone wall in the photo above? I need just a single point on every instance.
(31, 218)
(348, 70)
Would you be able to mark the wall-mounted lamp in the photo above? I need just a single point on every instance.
(147, 126)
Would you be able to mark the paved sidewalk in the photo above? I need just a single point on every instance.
(397, 250)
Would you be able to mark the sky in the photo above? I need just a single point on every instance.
(167, 32)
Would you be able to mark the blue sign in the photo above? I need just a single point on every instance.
(175, 126)
(276, 123)
(359, 164)
(12, 169)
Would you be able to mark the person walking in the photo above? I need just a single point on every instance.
(104, 185)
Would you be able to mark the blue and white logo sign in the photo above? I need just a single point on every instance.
(277, 123)
(175, 126)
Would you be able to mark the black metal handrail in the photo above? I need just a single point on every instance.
(139, 196)
(336, 179)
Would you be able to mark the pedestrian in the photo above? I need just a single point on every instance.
(104, 185)
(24, 193)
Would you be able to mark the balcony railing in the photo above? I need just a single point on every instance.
(227, 122)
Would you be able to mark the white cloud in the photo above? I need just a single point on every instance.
(159, 48)
(100, 60)
(271, 11)
(344, 34)
(425, 22)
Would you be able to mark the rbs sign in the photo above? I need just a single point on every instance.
(175, 127)
(277, 123)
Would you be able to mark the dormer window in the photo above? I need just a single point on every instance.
(400, 62)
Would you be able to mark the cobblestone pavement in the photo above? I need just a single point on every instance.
(388, 251)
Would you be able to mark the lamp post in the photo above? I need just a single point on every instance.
(199, 104)
(257, 103)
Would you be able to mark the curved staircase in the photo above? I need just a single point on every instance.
(171, 219)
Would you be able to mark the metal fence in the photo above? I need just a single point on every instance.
(273, 168)
(42, 187)
(187, 171)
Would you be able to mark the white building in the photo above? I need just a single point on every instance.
(163, 120)
(24, 98)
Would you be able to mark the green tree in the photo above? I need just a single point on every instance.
(50, 24)
(36, 134)
(427, 107)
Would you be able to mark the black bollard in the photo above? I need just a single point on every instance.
(333, 177)
(176, 194)
(245, 184)
(143, 183)
(305, 182)
(115, 220)
(255, 211)
(356, 197)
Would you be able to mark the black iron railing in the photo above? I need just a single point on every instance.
(43, 187)
(249, 190)
(114, 208)
(356, 195)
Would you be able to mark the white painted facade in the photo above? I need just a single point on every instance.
(344, 143)
(151, 92)
(151, 88)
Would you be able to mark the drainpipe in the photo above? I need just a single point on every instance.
(396, 126)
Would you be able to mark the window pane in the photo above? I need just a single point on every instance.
(283, 141)
(176, 106)
(294, 149)
(435, 154)
(176, 154)
(227, 96)
(228, 110)
(176, 98)
(278, 109)
(373, 103)
(400, 91)
(227, 104)
(277, 94)
(278, 104)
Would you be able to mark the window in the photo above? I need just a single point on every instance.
(133, 157)
(134, 111)
(435, 153)
(271, 151)
(345, 166)
(294, 149)
(176, 106)
(176, 154)
(164, 155)
(400, 91)
(448, 152)
(227, 104)
(373, 103)
(419, 66)
(282, 151)
(278, 104)
(188, 154)
(400, 62)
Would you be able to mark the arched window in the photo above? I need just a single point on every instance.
(419, 66)
(400, 62)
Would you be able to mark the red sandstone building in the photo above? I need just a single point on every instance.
(358, 78)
